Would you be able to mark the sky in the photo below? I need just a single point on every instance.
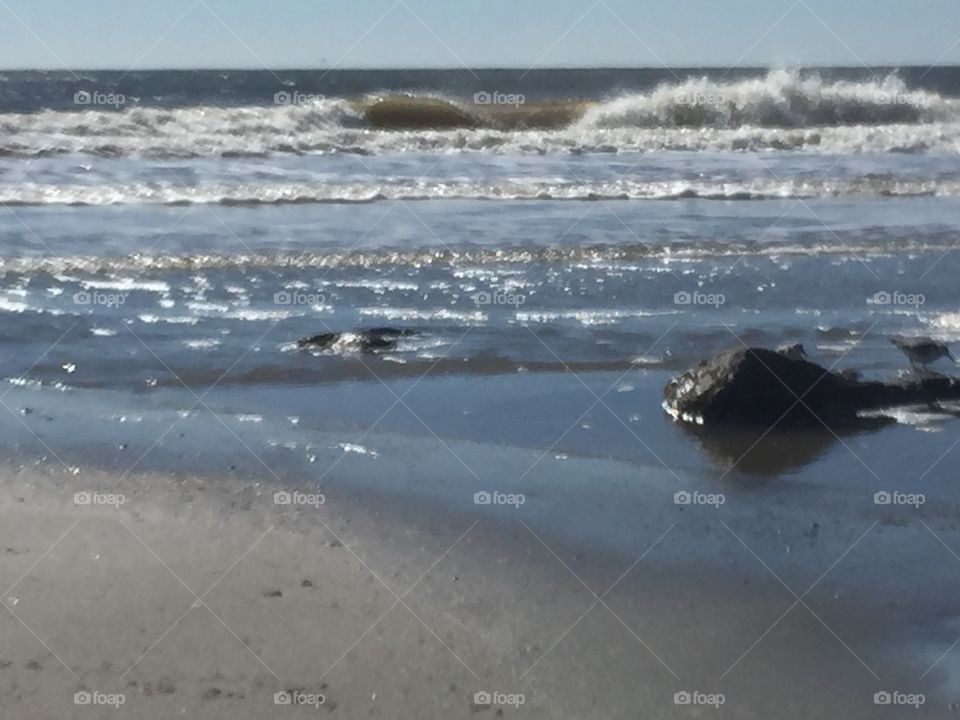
(79, 34)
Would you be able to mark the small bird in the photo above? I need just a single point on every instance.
(923, 351)
(793, 352)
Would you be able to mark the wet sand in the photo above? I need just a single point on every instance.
(199, 597)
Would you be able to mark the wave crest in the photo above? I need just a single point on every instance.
(782, 99)
(781, 110)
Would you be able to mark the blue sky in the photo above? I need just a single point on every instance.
(477, 33)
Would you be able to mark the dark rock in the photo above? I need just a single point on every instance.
(211, 693)
(368, 340)
(272, 593)
(754, 386)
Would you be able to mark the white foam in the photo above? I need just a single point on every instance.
(357, 449)
(379, 285)
(588, 317)
(127, 285)
(258, 315)
(408, 314)
(581, 189)
(946, 325)
(920, 417)
(173, 320)
(12, 306)
(207, 308)
(780, 99)
(205, 344)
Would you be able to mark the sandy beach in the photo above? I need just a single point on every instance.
(201, 598)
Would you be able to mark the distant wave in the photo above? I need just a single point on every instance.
(256, 194)
(779, 111)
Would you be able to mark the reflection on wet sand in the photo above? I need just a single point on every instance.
(767, 453)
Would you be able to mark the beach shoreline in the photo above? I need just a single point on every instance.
(198, 596)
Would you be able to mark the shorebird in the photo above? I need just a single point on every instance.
(923, 351)
(793, 352)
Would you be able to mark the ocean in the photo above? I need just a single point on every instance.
(549, 249)
(167, 234)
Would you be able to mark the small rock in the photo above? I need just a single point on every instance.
(272, 593)
(211, 693)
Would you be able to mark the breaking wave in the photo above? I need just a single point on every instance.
(782, 99)
(28, 194)
(779, 111)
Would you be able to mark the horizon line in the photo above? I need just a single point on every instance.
(490, 68)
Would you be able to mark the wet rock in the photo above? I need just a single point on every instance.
(755, 386)
(367, 341)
